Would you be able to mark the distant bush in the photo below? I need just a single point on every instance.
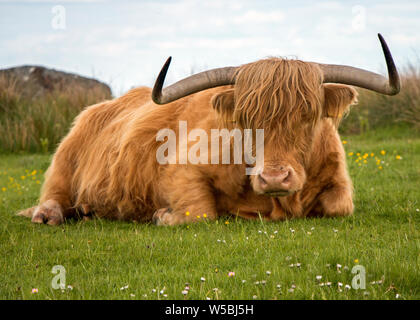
(376, 110)
(38, 125)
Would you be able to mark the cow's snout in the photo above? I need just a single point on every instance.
(276, 182)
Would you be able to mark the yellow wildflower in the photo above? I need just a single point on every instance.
(398, 157)
(350, 154)
(187, 213)
(383, 152)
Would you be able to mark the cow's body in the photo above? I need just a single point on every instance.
(106, 165)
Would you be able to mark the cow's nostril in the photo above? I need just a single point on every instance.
(287, 176)
(262, 180)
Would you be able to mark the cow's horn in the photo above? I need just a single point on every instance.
(366, 79)
(195, 83)
(332, 73)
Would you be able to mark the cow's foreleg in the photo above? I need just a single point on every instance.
(330, 192)
(55, 203)
(49, 212)
(189, 196)
(337, 201)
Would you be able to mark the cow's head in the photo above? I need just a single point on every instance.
(286, 98)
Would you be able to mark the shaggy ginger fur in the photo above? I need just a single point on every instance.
(107, 165)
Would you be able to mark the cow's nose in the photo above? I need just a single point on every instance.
(275, 181)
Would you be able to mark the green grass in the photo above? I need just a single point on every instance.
(101, 256)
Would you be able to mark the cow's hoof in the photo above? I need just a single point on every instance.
(337, 203)
(163, 217)
(49, 212)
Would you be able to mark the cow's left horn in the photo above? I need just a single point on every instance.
(366, 79)
(195, 83)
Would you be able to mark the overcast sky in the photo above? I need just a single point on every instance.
(125, 43)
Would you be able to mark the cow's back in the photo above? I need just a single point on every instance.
(94, 119)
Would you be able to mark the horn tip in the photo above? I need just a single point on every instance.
(381, 38)
(167, 63)
(394, 79)
(157, 88)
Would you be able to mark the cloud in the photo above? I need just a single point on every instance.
(253, 16)
(222, 4)
(403, 39)
(128, 41)
(206, 43)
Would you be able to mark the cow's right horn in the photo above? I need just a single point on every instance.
(366, 79)
(195, 83)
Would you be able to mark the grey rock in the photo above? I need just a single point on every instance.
(36, 81)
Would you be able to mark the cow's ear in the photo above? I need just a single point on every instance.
(224, 102)
(337, 100)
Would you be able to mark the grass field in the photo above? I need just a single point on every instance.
(121, 260)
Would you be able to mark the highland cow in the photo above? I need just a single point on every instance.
(107, 164)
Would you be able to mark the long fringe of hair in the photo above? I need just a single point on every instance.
(277, 91)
